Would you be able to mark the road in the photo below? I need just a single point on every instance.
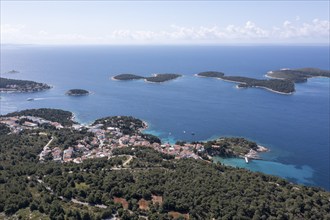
(49, 142)
(128, 160)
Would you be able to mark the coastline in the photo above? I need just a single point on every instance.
(113, 78)
(263, 148)
(73, 118)
(196, 74)
(255, 154)
(20, 91)
(237, 86)
(145, 126)
(145, 80)
(262, 87)
(272, 77)
(282, 93)
(68, 94)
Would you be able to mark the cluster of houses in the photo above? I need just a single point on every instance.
(26, 87)
(100, 144)
(19, 123)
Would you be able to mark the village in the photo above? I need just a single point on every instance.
(100, 144)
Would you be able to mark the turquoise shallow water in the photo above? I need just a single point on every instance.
(300, 174)
(295, 127)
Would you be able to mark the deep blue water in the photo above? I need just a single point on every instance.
(295, 127)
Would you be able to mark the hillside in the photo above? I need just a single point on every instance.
(137, 181)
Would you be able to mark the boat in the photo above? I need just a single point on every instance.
(30, 99)
(246, 159)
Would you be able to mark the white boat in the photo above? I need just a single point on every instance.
(246, 159)
(30, 99)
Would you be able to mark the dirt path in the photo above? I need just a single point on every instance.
(128, 160)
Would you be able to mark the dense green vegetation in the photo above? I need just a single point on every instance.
(77, 92)
(202, 189)
(21, 85)
(298, 75)
(91, 190)
(4, 129)
(283, 86)
(151, 138)
(55, 115)
(66, 137)
(157, 78)
(228, 147)
(127, 124)
(277, 85)
(211, 74)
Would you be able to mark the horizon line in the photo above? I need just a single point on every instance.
(160, 44)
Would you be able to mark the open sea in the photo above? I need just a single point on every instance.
(294, 127)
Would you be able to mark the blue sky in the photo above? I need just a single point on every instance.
(165, 22)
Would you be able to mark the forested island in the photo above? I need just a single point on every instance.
(156, 78)
(58, 169)
(77, 92)
(15, 85)
(298, 75)
(275, 85)
(127, 77)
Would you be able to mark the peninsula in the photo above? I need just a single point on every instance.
(15, 85)
(123, 131)
(232, 147)
(54, 168)
(298, 75)
(77, 92)
(156, 78)
(274, 85)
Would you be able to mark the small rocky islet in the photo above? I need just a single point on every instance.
(77, 92)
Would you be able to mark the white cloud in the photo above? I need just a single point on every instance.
(249, 32)
(11, 29)
(316, 28)
(43, 33)
(315, 31)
